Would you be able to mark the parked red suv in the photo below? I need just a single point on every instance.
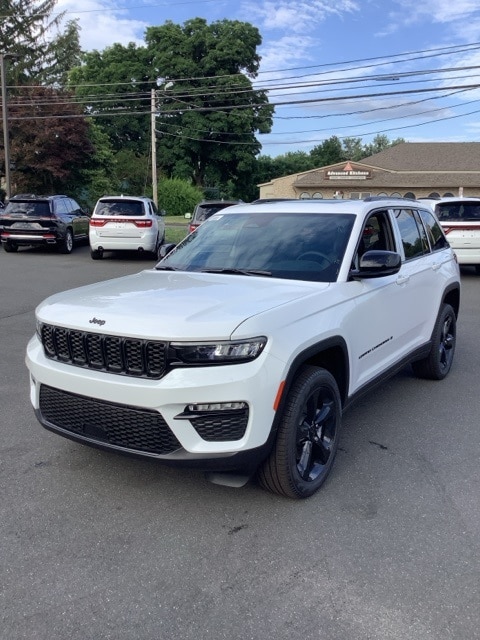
(207, 208)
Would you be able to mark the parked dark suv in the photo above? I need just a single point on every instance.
(30, 219)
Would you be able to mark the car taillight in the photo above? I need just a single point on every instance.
(101, 222)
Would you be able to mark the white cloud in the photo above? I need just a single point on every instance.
(102, 23)
(298, 17)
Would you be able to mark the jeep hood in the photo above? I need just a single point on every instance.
(172, 306)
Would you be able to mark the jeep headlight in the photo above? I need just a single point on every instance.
(222, 352)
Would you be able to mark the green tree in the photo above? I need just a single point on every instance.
(208, 112)
(28, 32)
(115, 84)
(178, 197)
(329, 152)
(353, 148)
(379, 143)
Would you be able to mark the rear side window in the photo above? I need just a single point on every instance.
(435, 233)
(61, 206)
(120, 208)
(414, 237)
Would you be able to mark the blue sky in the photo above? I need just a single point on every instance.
(349, 68)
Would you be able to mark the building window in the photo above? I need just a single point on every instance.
(317, 195)
(395, 194)
(410, 195)
(448, 195)
(305, 196)
(434, 194)
(383, 194)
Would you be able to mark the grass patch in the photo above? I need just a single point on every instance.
(176, 228)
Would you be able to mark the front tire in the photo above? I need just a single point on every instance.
(439, 361)
(307, 438)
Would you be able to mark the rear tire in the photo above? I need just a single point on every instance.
(96, 254)
(307, 438)
(10, 247)
(439, 361)
(66, 245)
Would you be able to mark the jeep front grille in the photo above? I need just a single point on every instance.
(124, 356)
(132, 428)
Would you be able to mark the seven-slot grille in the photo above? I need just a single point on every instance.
(121, 355)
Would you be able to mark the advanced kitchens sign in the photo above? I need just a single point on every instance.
(347, 173)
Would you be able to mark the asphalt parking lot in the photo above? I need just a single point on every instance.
(96, 546)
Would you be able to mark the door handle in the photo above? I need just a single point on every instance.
(402, 279)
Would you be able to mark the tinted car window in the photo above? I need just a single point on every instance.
(453, 211)
(434, 231)
(120, 208)
(28, 208)
(204, 211)
(61, 205)
(414, 238)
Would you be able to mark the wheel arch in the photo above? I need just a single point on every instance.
(330, 354)
(451, 296)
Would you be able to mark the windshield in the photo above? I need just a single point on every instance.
(280, 245)
(455, 211)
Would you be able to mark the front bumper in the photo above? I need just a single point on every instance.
(132, 415)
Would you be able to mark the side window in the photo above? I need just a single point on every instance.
(414, 237)
(435, 233)
(74, 206)
(153, 208)
(61, 206)
(376, 235)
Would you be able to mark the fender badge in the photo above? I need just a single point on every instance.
(97, 321)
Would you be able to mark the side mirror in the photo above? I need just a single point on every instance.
(188, 216)
(165, 249)
(377, 264)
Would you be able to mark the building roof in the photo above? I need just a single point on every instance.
(405, 165)
(428, 156)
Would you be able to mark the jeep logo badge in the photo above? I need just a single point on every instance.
(97, 321)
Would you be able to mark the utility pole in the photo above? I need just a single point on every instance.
(153, 113)
(6, 135)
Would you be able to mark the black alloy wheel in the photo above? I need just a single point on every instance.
(438, 363)
(307, 438)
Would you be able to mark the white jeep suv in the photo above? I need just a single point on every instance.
(240, 350)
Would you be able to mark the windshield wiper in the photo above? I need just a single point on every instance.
(166, 267)
(242, 272)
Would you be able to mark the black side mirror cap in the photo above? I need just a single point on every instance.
(377, 264)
